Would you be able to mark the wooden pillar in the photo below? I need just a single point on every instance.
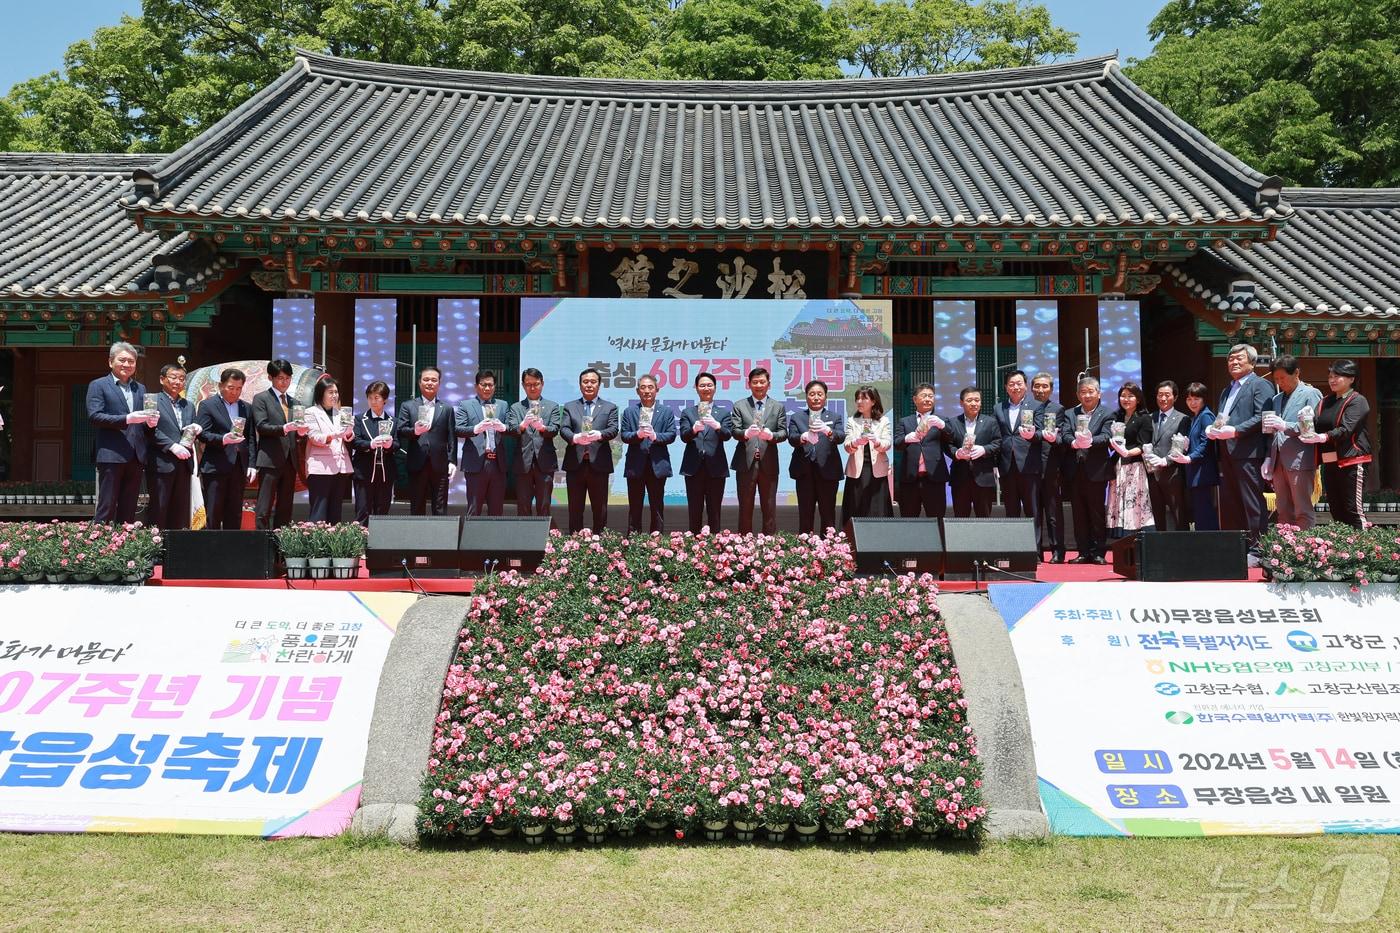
(336, 313)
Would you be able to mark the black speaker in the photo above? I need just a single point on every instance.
(220, 555)
(1179, 556)
(500, 542)
(1005, 543)
(427, 542)
(901, 545)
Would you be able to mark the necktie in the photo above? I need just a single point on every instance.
(490, 435)
(286, 412)
(758, 419)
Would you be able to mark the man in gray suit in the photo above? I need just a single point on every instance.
(1242, 446)
(759, 424)
(589, 425)
(1291, 465)
(536, 419)
(1166, 479)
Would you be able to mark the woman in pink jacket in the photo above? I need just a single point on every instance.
(328, 466)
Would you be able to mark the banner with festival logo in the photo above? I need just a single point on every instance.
(187, 710)
(1190, 709)
(844, 343)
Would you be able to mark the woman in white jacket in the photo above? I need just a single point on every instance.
(868, 442)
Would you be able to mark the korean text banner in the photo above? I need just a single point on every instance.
(187, 710)
(1189, 709)
(844, 343)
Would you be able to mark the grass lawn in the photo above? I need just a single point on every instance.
(166, 882)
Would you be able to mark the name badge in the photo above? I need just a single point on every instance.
(1329, 456)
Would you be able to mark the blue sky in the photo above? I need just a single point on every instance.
(36, 32)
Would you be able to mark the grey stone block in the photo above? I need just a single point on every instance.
(996, 698)
(406, 706)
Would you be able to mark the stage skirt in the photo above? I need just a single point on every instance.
(866, 496)
(1129, 507)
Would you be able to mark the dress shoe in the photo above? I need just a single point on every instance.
(1082, 559)
(1058, 559)
(1098, 559)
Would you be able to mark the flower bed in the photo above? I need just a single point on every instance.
(724, 683)
(1331, 553)
(78, 552)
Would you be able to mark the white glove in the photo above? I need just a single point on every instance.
(862, 440)
(936, 423)
(1179, 458)
(977, 452)
(1154, 461)
(451, 470)
(1271, 422)
(230, 439)
(419, 428)
(380, 442)
(583, 438)
(1226, 433)
(180, 451)
(1119, 446)
(809, 437)
(752, 431)
(1051, 435)
(826, 429)
(194, 429)
(349, 434)
(1027, 433)
(138, 417)
(765, 434)
(711, 422)
(1313, 438)
(646, 433)
(1082, 441)
(480, 428)
(291, 427)
(912, 438)
(303, 429)
(252, 475)
(1266, 470)
(698, 427)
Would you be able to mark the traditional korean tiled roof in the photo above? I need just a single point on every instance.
(1338, 255)
(1065, 145)
(63, 233)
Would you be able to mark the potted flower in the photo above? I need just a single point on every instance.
(294, 541)
(346, 542)
(1385, 554)
(319, 551)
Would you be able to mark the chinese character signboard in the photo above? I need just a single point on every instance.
(843, 343)
(187, 710)
(1187, 709)
(681, 274)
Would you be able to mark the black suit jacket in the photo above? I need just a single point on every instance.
(276, 450)
(362, 455)
(168, 432)
(536, 448)
(704, 452)
(605, 421)
(1051, 415)
(822, 459)
(1028, 456)
(987, 436)
(213, 420)
(1092, 463)
(933, 448)
(438, 446)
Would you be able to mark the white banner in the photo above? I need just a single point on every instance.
(1211, 708)
(187, 710)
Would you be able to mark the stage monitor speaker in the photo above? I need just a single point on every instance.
(220, 555)
(898, 545)
(1180, 556)
(1004, 543)
(502, 542)
(427, 542)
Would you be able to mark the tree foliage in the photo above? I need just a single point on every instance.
(1306, 89)
(152, 82)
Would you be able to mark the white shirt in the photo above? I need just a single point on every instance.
(127, 393)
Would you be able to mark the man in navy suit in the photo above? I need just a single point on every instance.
(168, 482)
(116, 408)
(976, 445)
(1051, 497)
(482, 422)
(536, 419)
(227, 466)
(816, 434)
(277, 429)
(703, 464)
(1087, 470)
(923, 472)
(1022, 451)
(1242, 446)
(589, 426)
(427, 430)
(647, 430)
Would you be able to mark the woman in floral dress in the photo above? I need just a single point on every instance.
(1129, 507)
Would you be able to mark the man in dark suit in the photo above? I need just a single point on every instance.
(171, 467)
(482, 422)
(923, 474)
(116, 408)
(426, 429)
(759, 424)
(277, 428)
(703, 464)
(647, 431)
(816, 434)
(1022, 451)
(1051, 514)
(536, 419)
(1087, 469)
(976, 445)
(230, 447)
(589, 425)
(1242, 446)
(1166, 479)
